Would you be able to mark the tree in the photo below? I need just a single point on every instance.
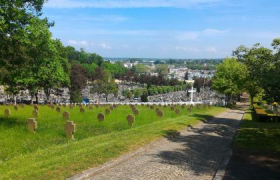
(161, 69)
(15, 16)
(229, 78)
(78, 82)
(263, 69)
(104, 85)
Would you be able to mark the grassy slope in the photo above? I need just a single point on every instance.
(256, 135)
(62, 159)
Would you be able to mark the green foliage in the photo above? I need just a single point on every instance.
(229, 78)
(104, 85)
(115, 69)
(263, 67)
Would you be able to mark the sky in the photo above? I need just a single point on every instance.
(164, 28)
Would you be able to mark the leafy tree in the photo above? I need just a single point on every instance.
(162, 69)
(78, 82)
(104, 85)
(229, 78)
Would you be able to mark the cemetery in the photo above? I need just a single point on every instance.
(46, 136)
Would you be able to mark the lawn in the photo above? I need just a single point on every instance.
(260, 136)
(48, 154)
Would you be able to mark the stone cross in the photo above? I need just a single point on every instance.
(66, 115)
(70, 129)
(35, 113)
(31, 125)
(7, 112)
(130, 119)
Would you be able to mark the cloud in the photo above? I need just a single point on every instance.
(105, 46)
(186, 49)
(211, 50)
(128, 3)
(193, 35)
(88, 45)
(78, 43)
(187, 36)
(214, 31)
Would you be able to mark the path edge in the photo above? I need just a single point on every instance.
(225, 161)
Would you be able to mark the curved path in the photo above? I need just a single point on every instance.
(194, 154)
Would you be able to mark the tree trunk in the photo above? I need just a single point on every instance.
(36, 96)
(252, 101)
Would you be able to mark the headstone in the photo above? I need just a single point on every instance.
(107, 111)
(136, 112)
(151, 107)
(66, 115)
(177, 111)
(159, 113)
(16, 108)
(31, 125)
(70, 129)
(82, 110)
(130, 119)
(7, 112)
(189, 109)
(36, 107)
(57, 109)
(100, 117)
(111, 108)
(35, 113)
(172, 108)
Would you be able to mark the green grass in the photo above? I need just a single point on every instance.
(261, 136)
(48, 154)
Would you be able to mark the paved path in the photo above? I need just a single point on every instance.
(195, 154)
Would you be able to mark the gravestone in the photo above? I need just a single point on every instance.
(136, 112)
(151, 107)
(172, 108)
(57, 109)
(107, 111)
(100, 117)
(159, 113)
(190, 109)
(70, 129)
(16, 108)
(7, 112)
(177, 111)
(35, 113)
(130, 119)
(66, 115)
(111, 108)
(36, 107)
(31, 125)
(82, 110)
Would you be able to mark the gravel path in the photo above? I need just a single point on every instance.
(194, 154)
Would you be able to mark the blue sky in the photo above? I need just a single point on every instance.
(164, 28)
